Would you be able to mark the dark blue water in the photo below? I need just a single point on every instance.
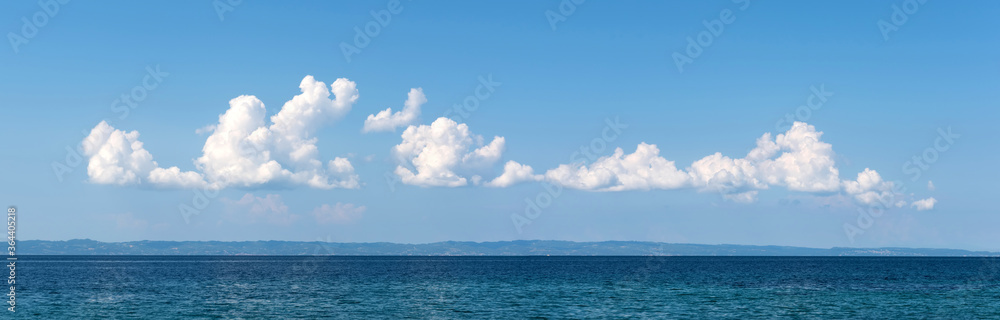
(61, 287)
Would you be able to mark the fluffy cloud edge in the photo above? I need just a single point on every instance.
(385, 120)
(241, 149)
(514, 173)
(797, 160)
(443, 154)
(117, 157)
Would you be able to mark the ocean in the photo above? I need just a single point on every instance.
(277, 287)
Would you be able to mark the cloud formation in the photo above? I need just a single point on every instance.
(514, 173)
(797, 160)
(869, 188)
(643, 169)
(385, 120)
(119, 158)
(242, 149)
(442, 152)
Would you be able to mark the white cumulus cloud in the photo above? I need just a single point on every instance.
(119, 158)
(242, 149)
(514, 173)
(385, 120)
(442, 152)
(643, 169)
(796, 160)
(804, 164)
(869, 188)
(173, 177)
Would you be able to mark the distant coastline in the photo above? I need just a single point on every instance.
(460, 248)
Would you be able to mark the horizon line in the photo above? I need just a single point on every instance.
(522, 240)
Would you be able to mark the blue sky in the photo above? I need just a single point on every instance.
(555, 89)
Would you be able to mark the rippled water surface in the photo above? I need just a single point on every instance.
(74, 287)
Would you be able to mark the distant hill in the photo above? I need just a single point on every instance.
(454, 248)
